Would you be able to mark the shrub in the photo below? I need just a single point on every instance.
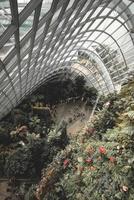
(3, 156)
(4, 136)
(28, 160)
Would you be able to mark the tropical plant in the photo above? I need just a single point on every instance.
(28, 160)
(5, 138)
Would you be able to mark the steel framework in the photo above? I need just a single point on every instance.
(40, 39)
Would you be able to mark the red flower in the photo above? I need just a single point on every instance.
(89, 160)
(112, 159)
(102, 150)
(65, 163)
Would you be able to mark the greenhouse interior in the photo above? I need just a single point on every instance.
(66, 100)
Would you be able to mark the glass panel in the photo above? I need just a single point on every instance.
(14, 76)
(86, 16)
(105, 24)
(4, 81)
(25, 47)
(5, 15)
(96, 12)
(46, 5)
(14, 71)
(11, 63)
(126, 2)
(60, 24)
(55, 16)
(40, 31)
(26, 26)
(70, 4)
(6, 87)
(22, 4)
(1, 74)
(105, 12)
(6, 49)
(23, 68)
(114, 27)
(96, 24)
(132, 8)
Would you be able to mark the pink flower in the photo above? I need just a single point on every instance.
(89, 160)
(112, 159)
(66, 163)
(102, 150)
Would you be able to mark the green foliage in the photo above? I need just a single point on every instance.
(130, 115)
(34, 121)
(20, 164)
(19, 117)
(79, 85)
(35, 124)
(4, 136)
(102, 169)
(29, 195)
(37, 98)
(106, 118)
(109, 174)
(58, 137)
(3, 157)
(58, 90)
(28, 160)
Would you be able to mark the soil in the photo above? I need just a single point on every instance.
(3, 190)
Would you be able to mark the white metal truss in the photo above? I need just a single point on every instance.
(40, 39)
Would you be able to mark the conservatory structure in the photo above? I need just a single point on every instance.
(40, 39)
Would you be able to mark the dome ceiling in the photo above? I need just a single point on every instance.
(40, 38)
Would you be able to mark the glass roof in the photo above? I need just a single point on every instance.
(39, 39)
(5, 15)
